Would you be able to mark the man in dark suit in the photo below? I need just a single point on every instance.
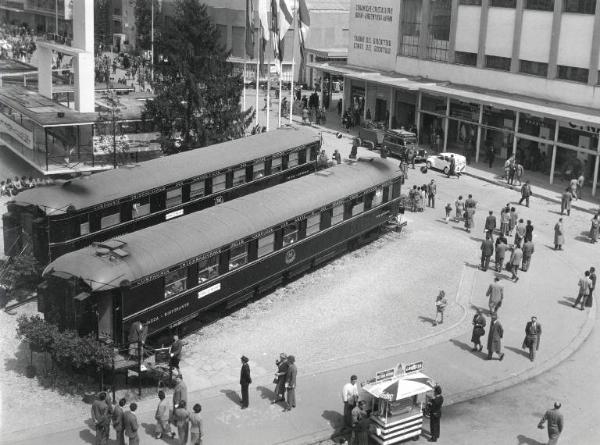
(435, 413)
(487, 250)
(117, 421)
(245, 381)
(555, 423)
(290, 383)
(101, 419)
(131, 425)
(533, 332)
(175, 354)
(494, 343)
(528, 250)
(490, 223)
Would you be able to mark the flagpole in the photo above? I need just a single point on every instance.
(244, 77)
(296, 23)
(280, 97)
(268, 96)
(257, 87)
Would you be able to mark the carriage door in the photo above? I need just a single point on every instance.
(105, 315)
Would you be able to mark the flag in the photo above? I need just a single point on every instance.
(274, 28)
(263, 15)
(250, 28)
(284, 21)
(304, 21)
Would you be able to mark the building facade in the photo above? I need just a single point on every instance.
(518, 75)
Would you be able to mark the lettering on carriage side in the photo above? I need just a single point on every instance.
(106, 204)
(238, 243)
(175, 309)
(174, 214)
(148, 192)
(209, 290)
(263, 233)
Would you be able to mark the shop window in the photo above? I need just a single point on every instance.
(464, 110)
(258, 171)
(337, 214)
(290, 234)
(266, 245)
(577, 136)
(498, 118)
(540, 5)
(411, 23)
(497, 63)
(534, 68)
(208, 269)
(173, 197)
(435, 104)
(110, 220)
(293, 159)
(140, 208)
(573, 73)
(463, 58)
(219, 183)
(537, 126)
(313, 224)
(580, 6)
(470, 2)
(238, 256)
(175, 282)
(503, 3)
(197, 189)
(276, 165)
(239, 176)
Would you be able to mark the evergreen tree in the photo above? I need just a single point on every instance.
(197, 93)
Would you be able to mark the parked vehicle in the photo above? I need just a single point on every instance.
(398, 142)
(442, 162)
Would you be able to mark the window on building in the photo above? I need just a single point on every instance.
(218, 183)
(411, 22)
(238, 256)
(222, 36)
(580, 6)
(173, 197)
(238, 38)
(463, 58)
(208, 269)
(497, 63)
(290, 234)
(239, 176)
(313, 224)
(293, 160)
(276, 165)
(140, 208)
(438, 35)
(197, 189)
(175, 282)
(534, 68)
(539, 5)
(573, 73)
(503, 3)
(266, 245)
(110, 219)
(337, 215)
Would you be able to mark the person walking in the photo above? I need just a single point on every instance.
(594, 229)
(519, 172)
(290, 383)
(490, 222)
(580, 182)
(162, 415)
(478, 330)
(501, 247)
(196, 431)
(533, 332)
(245, 381)
(573, 188)
(559, 235)
(470, 202)
(585, 284)
(181, 419)
(555, 423)
(528, 250)
(469, 219)
(512, 169)
(494, 341)
(130, 422)
(175, 354)
(431, 192)
(117, 421)
(434, 406)
(520, 230)
(459, 205)
(180, 392)
(350, 399)
(354, 150)
(590, 299)
(504, 221)
(565, 202)
(495, 294)
(487, 250)
(514, 218)
(515, 261)
(440, 307)
(101, 418)
(282, 367)
(452, 167)
(528, 231)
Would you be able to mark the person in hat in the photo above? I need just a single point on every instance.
(282, 367)
(494, 343)
(434, 407)
(245, 381)
(555, 423)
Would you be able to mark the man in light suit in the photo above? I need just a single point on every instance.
(117, 421)
(290, 383)
(101, 419)
(163, 428)
(180, 392)
(131, 425)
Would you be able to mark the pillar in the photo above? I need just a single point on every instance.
(83, 64)
(555, 37)
(516, 48)
(453, 24)
(593, 68)
(483, 21)
(479, 129)
(446, 122)
(45, 71)
(597, 162)
(514, 150)
(554, 152)
(366, 103)
(424, 28)
(418, 116)
(391, 107)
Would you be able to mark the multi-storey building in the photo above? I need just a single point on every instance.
(518, 75)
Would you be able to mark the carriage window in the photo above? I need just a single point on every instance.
(175, 282)
(358, 205)
(141, 208)
(173, 197)
(258, 171)
(218, 183)
(293, 159)
(110, 220)
(239, 176)
(84, 228)
(337, 215)
(377, 197)
(311, 154)
(276, 165)
(302, 156)
(313, 224)
(290, 234)
(266, 245)
(208, 269)
(238, 256)
(197, 189)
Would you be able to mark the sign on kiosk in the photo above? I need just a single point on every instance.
(399, 371)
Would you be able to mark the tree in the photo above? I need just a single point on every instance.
(197, 93)
(108, 124)
(20, 274)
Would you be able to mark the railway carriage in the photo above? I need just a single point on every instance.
(51, 221)
(167, 274)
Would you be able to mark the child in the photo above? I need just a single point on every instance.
(440, 305)
(448, 209)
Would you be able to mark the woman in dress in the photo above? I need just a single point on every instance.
(478, 330)
(559, 235)
(505, 220)
(459, 205)
(181, 418)
(421, 200)
(594, 229)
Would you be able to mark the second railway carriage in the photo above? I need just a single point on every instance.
(51, 221)
(167, 274)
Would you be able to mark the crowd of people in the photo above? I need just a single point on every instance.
(11, 187)
(16, 42)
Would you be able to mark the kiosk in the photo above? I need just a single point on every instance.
(397, 399)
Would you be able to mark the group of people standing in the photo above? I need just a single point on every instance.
(125, 423)
(417, 196)
(285, 381)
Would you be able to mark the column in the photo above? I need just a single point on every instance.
(45, 71)
(597, 162)
(556, 21)
(483, 20)
(446, 122)
(391, 107)
(453, 22)
(478, 142)
(418, 117)
(424, 28)
(514, 150)
(366, 103)
(593, 73)
(321, 95)
(83, 64)
(516, 48)
(554, 152)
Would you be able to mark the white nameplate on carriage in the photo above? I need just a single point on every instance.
(209, 290)
(174, 214)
